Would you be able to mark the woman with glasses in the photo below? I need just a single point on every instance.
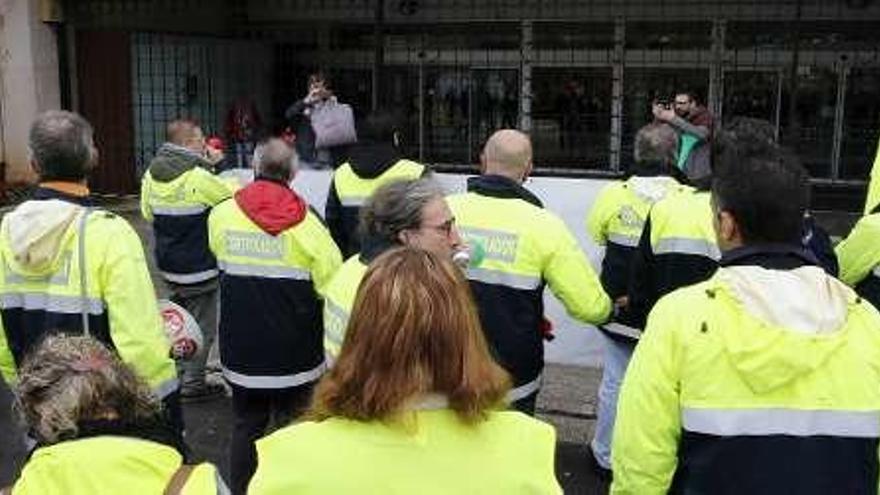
(411, 212)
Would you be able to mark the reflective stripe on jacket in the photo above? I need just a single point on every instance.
(349, 191)
(179, 212)
(270, 314)
(616, 220)
(729, 392)
(677, 248)
(119, 298)
(339, 301)
(525, 248)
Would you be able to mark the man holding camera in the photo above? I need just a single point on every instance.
(694, 124)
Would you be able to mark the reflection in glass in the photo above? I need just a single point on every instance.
(811, 134)
(400, 87)
(496, 105)
(751, 94)
(861, 123)
(571, 114)
(462, 108)
(447, 103)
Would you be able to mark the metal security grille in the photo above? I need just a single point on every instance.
(578, 75)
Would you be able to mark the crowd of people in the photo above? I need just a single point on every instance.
(396, 342)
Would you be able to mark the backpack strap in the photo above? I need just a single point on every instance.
(178, 481)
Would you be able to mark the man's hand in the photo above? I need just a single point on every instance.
(663, 113)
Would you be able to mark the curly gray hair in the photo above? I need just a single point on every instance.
(397, 206)
(69, 379)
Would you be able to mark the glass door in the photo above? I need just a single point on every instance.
(752, 93)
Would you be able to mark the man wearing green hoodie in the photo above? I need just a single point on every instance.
(178, 191)
(66, 266)
(762, 379)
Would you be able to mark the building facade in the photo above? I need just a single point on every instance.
(580, 76)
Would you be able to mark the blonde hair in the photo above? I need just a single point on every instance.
(70, 379)
(413, 331)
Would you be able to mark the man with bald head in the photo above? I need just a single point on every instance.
(518, 248)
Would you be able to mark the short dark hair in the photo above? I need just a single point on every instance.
(321, 77)
(379, 126)
(690, 93)
(741, 134)
(62, 145)
(741, 131)
(764, 187)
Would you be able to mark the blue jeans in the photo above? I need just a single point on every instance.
(617, 356)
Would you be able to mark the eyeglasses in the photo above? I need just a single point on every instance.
(678, 102)
(444, 228)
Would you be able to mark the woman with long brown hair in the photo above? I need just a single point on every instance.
(413, 404)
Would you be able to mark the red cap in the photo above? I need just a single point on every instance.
(215, 142)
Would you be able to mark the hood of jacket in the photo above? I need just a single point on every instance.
(651, 189)
(171, 161)
(781, 324)
(370, 160)
(274, 207)
(35, 233)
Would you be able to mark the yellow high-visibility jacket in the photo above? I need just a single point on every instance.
(616, 221)
(759, 380)
(111, 464)
(525, 248)
(338, 302)
(432, 453)
(40, 286)
(678, 247)
(178, 210)
(859, 258)
(270, 289)
(349, 191)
